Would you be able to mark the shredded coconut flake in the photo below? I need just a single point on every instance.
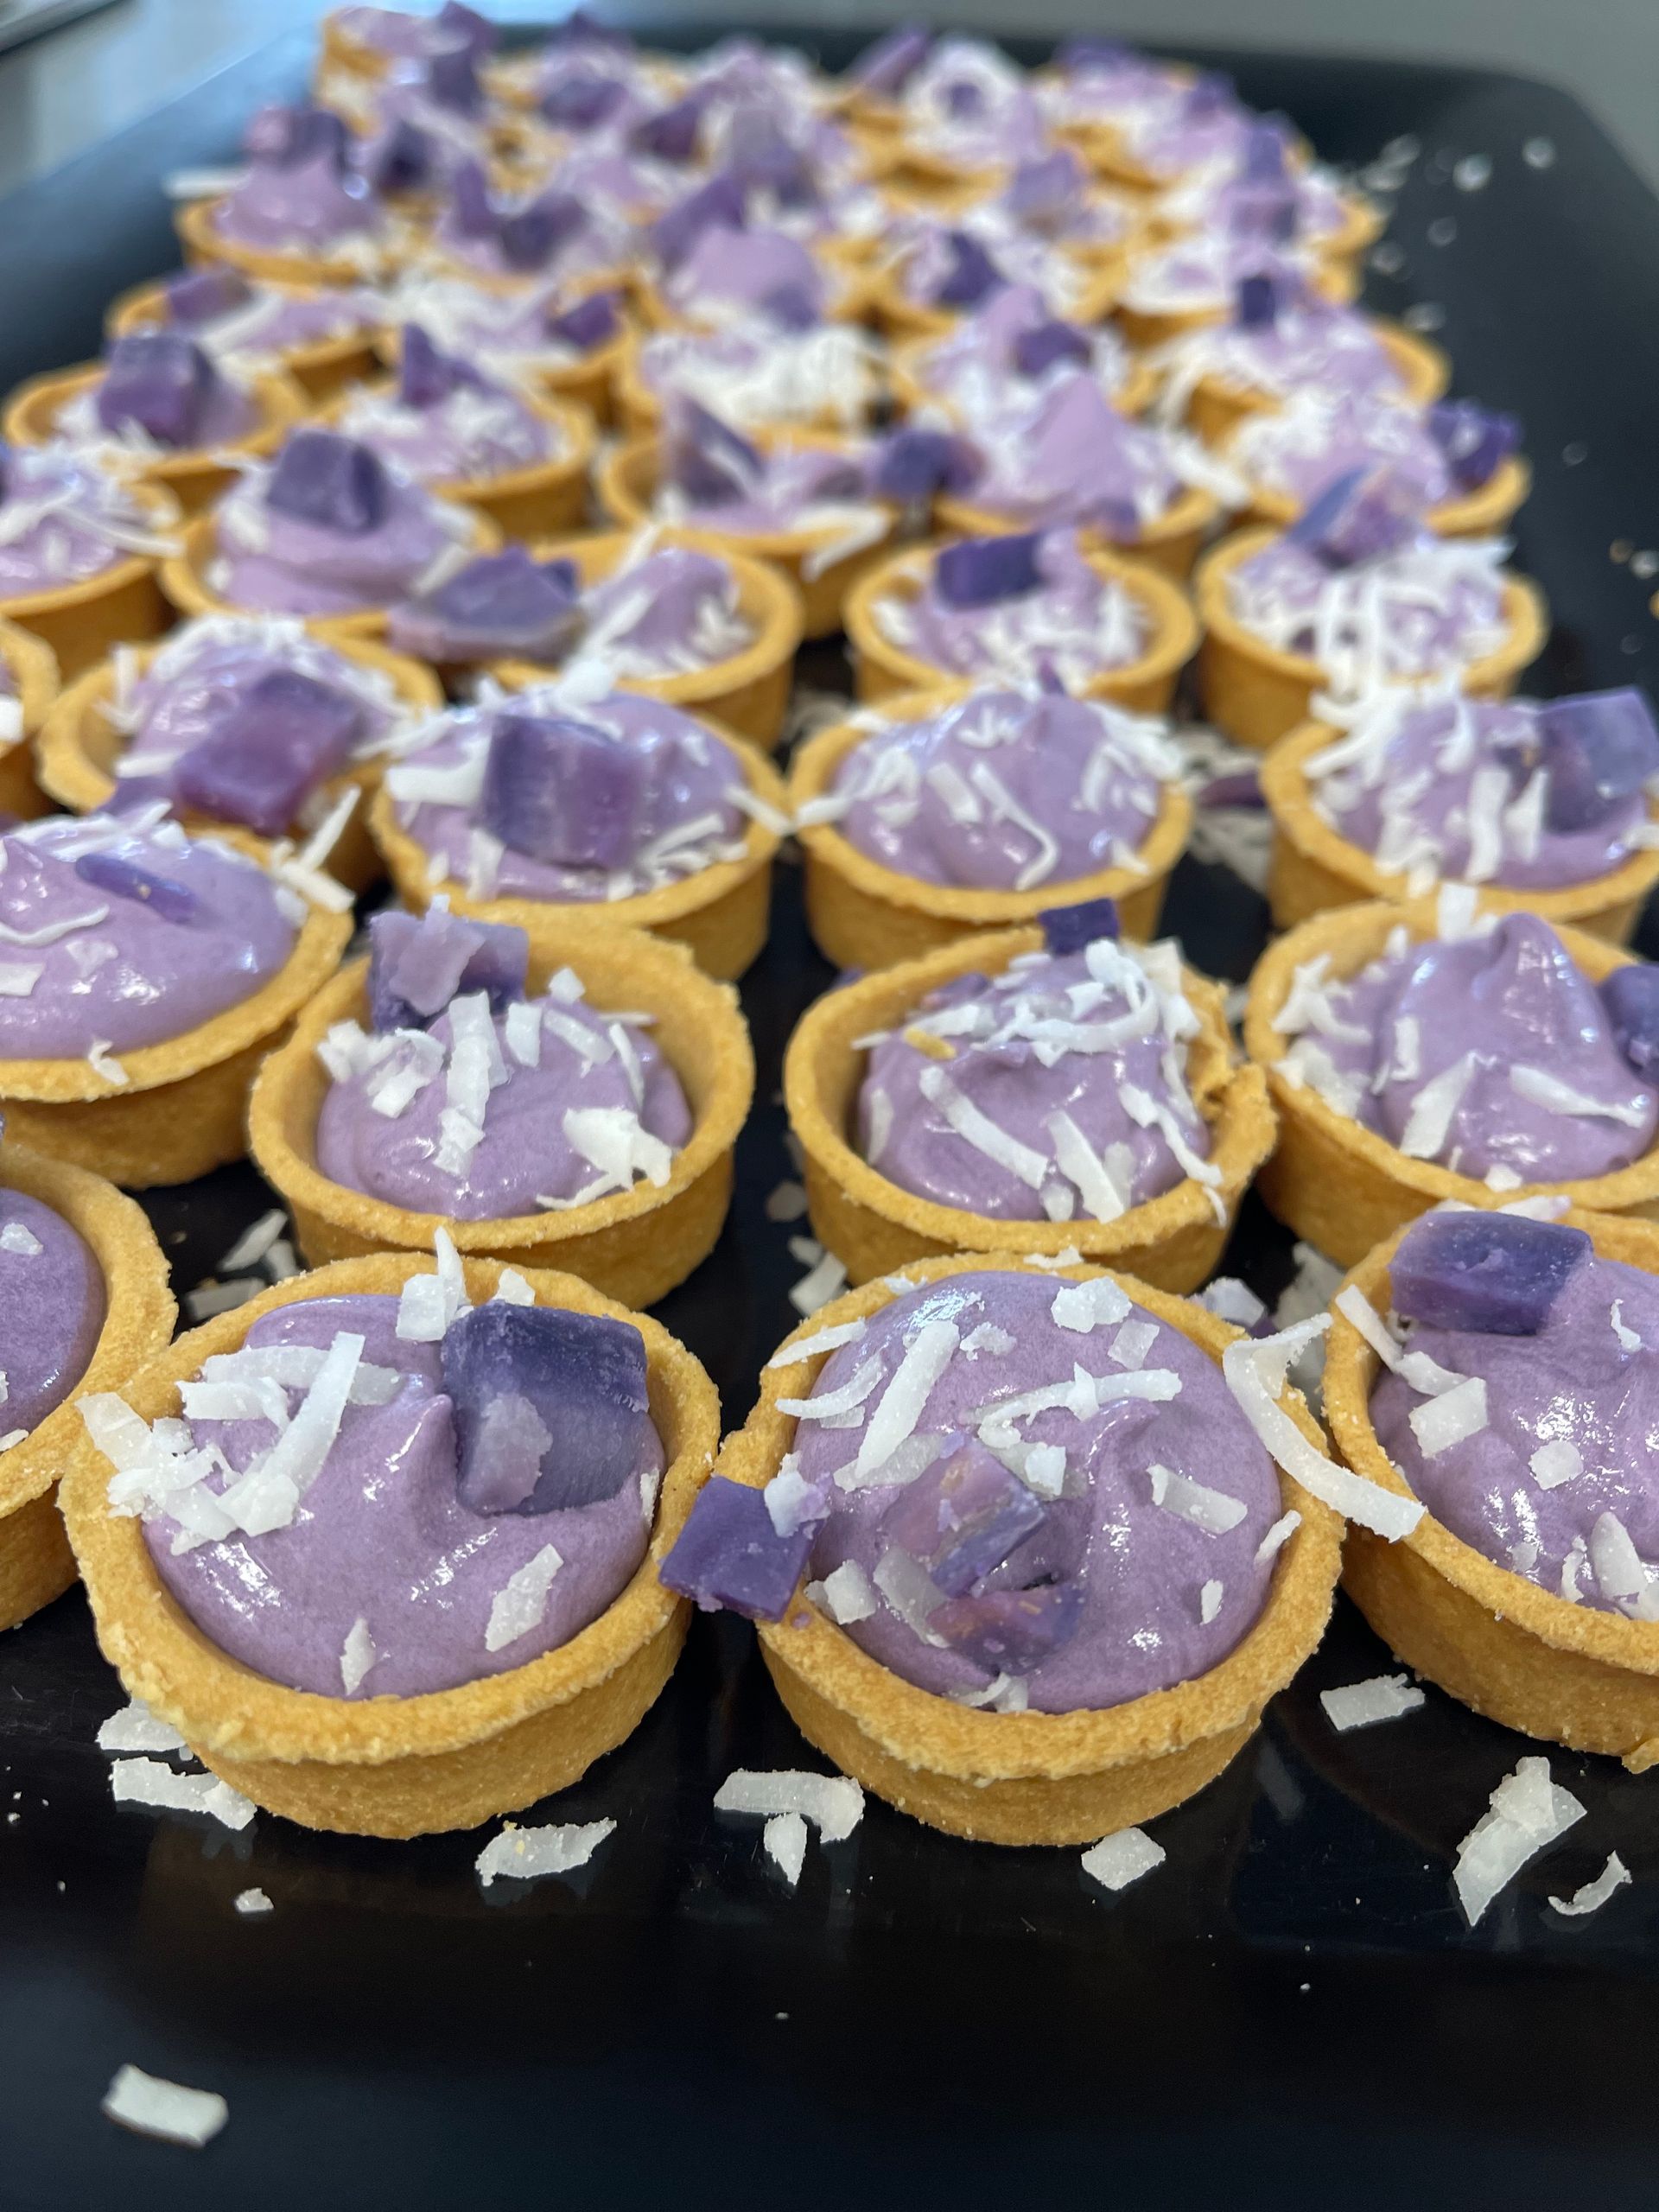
(1254, 1369)
(148, 1782)
(1361, 1704)
(1117, 1860)
(845, 1595)
(250, 1903)
(521, 1603)
(527, 1854)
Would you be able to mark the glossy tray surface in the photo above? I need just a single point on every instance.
(1290, 2011)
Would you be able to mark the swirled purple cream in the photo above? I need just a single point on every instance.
(249, 328)
(160, 393)
(365, 1499)
(969, 105)
(328, 528)
(1282, 339)
(246, 719)
(513, 337)
(1014, 609)
(829, 374)
(1519, 1396)
(555, 793)
(118, 934)
(493, 1106)
(52, 1293)
(1484, 1050)
(732, 274)
(1007, 790)
(1529, 794)
(714, 479)
(1024, 1493)
(65, 518)
(957, 265)
(445, 421)
(1055, 1091)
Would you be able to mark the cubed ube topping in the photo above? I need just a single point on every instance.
(1043, 192)
(962, 1517)
(1010, 1631)
(1262, 298)
(471, 208)
(672, 133)
(161, 383)
(1476, 441)
(279, 743)
(1630, 995)
(1363, 515)
(451, 81)
(1500, 1273)
(561, 792)
(331, 482)
(709, 461)
(551, 1407)
(457, 20)
(583, 100)
(502, 604)
(289, 137)
(1600, 748)
(1037, 349)
(1068, 929)
(418, 963)
(722, 203)
(914, 465)
(401, 158)
(729, 1555)
(426, 377)
(531, 238)
(970, 274)
(981, 571)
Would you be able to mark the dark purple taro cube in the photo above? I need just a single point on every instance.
(970, 274)
(403, 158)
(1069, 929)
(121, 877)
(1600, 748)
(914, 465)
(1262, 298)
(1499, 1273)
(594, 321)
(721, 201)
(1630, 995)
(500, 606)
(583, 100)
(962, 1518)
(529, 239)
(426, 377)
(561, 792)
(885, 68)
(159, 382)
(983, 571)
(729, 1557)
(1036, 350)
(552, 1408)
(1266, 151)
(1476, 441)
(1042, 193)
(289, 137)
(198, 295)
(1010, 1631)
(1363, 515)
(451, 81)
(705, 458)
(672, 133)
(418, 963)
(281, 742)
(331, 482)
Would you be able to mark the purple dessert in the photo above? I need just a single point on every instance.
(328, 528)
(446, 422)
(1282, 339)
(830, 374)
(1072, 458)
(1296, 450)
(485, 1115)
(160, 392)
(119, 934)
(998, 362)
(514, 337)
(559, 794)
(1527, 1432)
(249, 328)
(957, 266)
(53, 1295)
(1015, 609)
(1054, 1092)
(1033, 1494)
(269, 1514)
(716, 480)
(1007, 790)
(1485, 791)
(1487, 1051)
(65, 518)
(310, 209)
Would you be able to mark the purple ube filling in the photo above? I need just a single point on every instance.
(730, 271)
(734, 488)
(62, 520)
(312, 206)
(1090, 1598)
(1491, 1054)
(1006, 792)
(1063, 1095)
(536, 1115)
(426, 1575)
(468, 433)
(1304, 344)
(128, 938)
(1072, 622)
(1072, 458)
(256, 323)
(644, 797)
(1010, 351)
(51, 1294)
(970, 105)
(1557, 1483)
(1201, 273)
(1462, 788)
(1317, 436)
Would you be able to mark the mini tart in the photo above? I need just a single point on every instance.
(1314, 867)
(1145, 684)
(321, 369)
(36, 1561)
(1171, 545)
(850, 297)
(183, 1107)
(1218, 406)
(1482, 513)
(204, 242)
(122, 605)
(1151, 327)
(396, 1766)
(912, 393)
(34, 669)
(184, 579)
(633, 1245)
(1361, 225)
(1344, 1188)
(77, 749)
(748, 691)
(196, 477)
(639, 409)
(542, 497)
(720, 913)
(625, 480)
(1255, 694)
(875, 1226)
(1571, 1674)
(1032, 1777)
(901, 319)
(864, 914)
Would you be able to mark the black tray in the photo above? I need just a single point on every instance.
(1290, 2010)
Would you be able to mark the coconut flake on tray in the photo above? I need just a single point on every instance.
(1361, 1704)
(1528, 1813)
(833, 1803)
(528, 1854)
(167, 2110)
(1117, 1860)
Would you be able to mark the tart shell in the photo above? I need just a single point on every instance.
(124, 604)
(1257, 694)
(873, 1226)
(1170, 545)
(720, 913)
(1032, 1777)
(1482, 513)
(864, 914)
(625, 480)
(634, 1245)
(321, 369)
(748, 691)
(1314, 868)
(1146, 683)
(36, 1561)
(78, 747)
(1570, 1674)
(1344, 1189)
(392, 1766)
(203, 242)
(33, 667)
(1217, 407)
